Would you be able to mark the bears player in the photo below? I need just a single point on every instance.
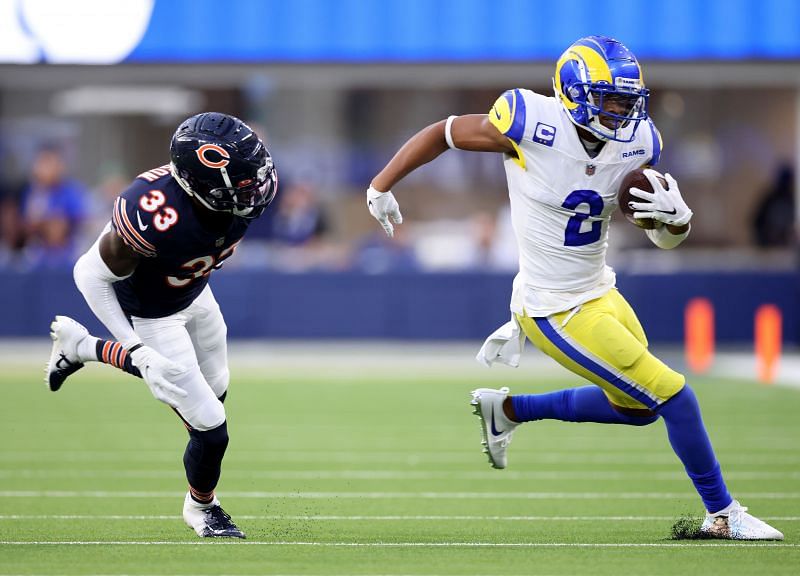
(565, 157)
(146, 279)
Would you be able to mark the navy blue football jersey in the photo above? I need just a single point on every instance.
(156, 218)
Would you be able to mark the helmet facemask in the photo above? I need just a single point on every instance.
(614, 114)
(249, 198)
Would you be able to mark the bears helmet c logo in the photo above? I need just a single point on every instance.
(203, 150)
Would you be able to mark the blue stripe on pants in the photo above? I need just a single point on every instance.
(592, 365)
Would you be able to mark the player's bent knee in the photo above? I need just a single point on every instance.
(207, 416)
(635, 416)
(219, 382)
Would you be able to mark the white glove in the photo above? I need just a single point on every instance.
(157, 371)
(664, 204)
(383, 206)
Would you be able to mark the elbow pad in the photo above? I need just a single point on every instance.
(94, 279)
(664, 239)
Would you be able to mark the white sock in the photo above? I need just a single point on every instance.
(87, 349)
(727, 510)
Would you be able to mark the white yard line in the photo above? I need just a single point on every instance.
(338, 518)
(702, 544)
(391, 495)
(393, 474)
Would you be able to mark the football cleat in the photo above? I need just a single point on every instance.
(209, 520)
(66, 334)
(737, 524)
(496, 429)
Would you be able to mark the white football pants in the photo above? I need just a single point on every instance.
(196, 338)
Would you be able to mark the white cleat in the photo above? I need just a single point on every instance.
(64, 361)
(737, 524)
(496, 429)
(209, 520)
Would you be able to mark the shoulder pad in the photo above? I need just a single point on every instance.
(508, 115)
(132, 223)
(657, 142)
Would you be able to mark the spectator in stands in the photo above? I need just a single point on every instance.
(53, 207)
(297, 232)
(493, 247)
(10, 230)
(377, 254)
(299, 219)
(773, 222)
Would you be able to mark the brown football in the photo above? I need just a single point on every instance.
(636, 179)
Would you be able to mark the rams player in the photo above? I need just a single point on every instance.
(146, 279)
(565, 157)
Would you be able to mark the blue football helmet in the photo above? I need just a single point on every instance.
(598, 76)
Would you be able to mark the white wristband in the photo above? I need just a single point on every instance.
(448, 136)
(665, 239)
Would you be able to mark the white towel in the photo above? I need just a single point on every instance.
(504, 345)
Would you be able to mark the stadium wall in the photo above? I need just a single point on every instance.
(413, 306)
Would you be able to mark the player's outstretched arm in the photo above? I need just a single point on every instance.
(471, 132)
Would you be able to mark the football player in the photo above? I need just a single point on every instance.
(146, 279)
(565, 157)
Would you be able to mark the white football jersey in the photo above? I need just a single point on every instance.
(562, 200)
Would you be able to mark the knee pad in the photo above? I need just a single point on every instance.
(206, 416)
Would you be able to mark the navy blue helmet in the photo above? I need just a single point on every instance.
(220, 161)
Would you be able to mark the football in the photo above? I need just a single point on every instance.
(636, 179)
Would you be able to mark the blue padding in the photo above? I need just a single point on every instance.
(412, 306)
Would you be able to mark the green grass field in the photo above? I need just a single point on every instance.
(378, 471)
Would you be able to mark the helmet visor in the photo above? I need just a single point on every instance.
(249, 198)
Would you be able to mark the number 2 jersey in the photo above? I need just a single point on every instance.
(156, 218)
(562, 200)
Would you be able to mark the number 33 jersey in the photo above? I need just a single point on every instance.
(156, 218)
(562, 200)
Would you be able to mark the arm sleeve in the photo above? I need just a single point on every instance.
(664, 239)
(94, 279)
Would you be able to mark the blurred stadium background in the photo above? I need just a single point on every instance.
(94, 89)
(90, 92)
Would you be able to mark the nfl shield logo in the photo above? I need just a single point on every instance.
(219, 242)
(590, 169)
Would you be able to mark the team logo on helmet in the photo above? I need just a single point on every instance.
(205, 148)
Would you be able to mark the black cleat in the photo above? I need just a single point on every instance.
(211, 522)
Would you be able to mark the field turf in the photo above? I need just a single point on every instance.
(378, 470)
